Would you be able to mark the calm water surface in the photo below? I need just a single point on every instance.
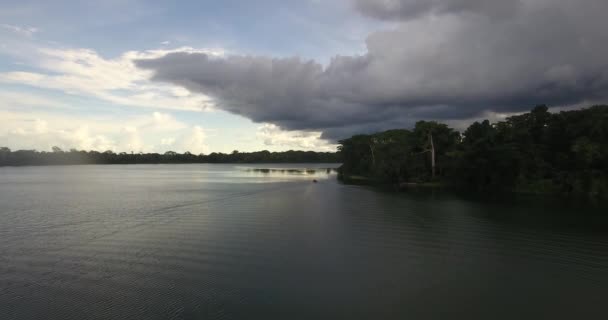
(228, 242)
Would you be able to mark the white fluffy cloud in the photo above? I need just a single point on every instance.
(273, 136)
(155, 132)
(86, 73)
(192, 141)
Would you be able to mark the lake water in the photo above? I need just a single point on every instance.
(229, 242)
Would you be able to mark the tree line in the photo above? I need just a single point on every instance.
(535, 152)
(60, 157)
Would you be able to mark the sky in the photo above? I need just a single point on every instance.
(218, 76)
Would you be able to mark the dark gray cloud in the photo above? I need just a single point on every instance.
(409, 9)
(453, 66)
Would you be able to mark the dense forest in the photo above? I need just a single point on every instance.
(60, 157)
(536, 152)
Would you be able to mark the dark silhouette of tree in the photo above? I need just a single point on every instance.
(58, 156)
(536, 152)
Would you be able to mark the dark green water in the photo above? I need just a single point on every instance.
(227, 242)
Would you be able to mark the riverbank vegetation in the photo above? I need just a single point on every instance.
(60, 157)
(535, 152)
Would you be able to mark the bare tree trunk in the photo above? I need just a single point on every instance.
(432, 155)
(373, 156)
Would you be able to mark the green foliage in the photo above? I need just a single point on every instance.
(399, 155)
(536, 152)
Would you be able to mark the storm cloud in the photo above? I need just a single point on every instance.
(444, 60)
(409, 9)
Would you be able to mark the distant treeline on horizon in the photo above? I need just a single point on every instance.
(535, 152)
(60, 157)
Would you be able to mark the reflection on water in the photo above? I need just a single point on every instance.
(308, 172)
(263, 242)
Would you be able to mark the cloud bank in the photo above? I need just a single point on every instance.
(155, 132)
(444, 60)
